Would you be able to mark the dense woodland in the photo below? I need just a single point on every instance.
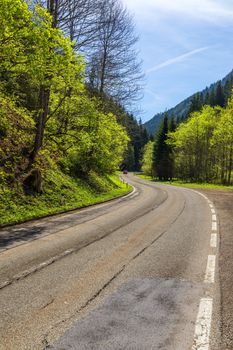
(68, 74)
(200, 149)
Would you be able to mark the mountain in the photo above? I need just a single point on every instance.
(206, 96)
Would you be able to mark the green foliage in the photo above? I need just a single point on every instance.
(162, 159)
(217, 94)
(147, 163)
(138, 136)
(203, 146)
(61, 193)
(44, 105)
(16, 129)
(101, 149)
(198, 150)
(179, 183)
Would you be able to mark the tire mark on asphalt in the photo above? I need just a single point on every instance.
(88, 302)
(58, 257)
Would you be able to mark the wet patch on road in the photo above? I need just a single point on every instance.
(142, 314)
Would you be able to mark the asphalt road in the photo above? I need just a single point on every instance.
(137, 273)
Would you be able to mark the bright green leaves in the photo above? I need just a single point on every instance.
(147, 163)
(16, 131)
(203, 145)
(38, 62)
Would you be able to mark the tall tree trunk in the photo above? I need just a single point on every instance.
(34, 180)
(52, 6)
(44, 96)
(102, 74)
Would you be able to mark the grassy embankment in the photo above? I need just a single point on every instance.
(60, 193)
(187, 184)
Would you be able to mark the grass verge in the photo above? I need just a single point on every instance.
(187, 184)
(60, 193)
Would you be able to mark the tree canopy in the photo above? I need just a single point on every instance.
(48, 115)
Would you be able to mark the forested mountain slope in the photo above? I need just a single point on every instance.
(215, 94)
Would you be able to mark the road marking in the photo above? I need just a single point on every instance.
(214, 226)
(203, 325)
(210, 269)
(213, 240)
(204, 318)
(214, 217)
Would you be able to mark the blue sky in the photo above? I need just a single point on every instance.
(185, 46)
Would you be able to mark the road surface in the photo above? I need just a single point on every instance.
(136, 273)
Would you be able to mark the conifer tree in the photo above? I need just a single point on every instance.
(212, 98)
(161, 152)
(195, 104)
(219, 98)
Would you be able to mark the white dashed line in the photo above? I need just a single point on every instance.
(204, 317)
(210, 269)
(213, 240)
(214, 226)
(214, 217)
(203, 325)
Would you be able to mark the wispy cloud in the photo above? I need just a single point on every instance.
(177, 59)
(156, 97)
(209, 10)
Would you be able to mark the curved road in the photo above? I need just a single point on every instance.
(136, 273)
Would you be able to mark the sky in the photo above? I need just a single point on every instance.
(185, 46)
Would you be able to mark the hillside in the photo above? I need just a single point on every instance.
(182, 109)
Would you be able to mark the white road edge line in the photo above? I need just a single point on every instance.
(210, 269)
(203, 325)
(213, 211)
(213, 240)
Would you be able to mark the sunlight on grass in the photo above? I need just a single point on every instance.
(186, 184)
(61, 193)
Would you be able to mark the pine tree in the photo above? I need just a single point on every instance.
(207, 98)
(227, 90)
(219, 98)
(161, 152)
(172, 124)
(212, 98)
(195, 104)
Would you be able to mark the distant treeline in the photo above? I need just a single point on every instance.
(216, 94)
(199, 149)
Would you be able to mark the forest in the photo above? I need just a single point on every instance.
(199, 149)
(217, 94)
(67, 83)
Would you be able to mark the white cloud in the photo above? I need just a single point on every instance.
(209, 10)
(176, 59)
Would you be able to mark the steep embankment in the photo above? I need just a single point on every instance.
(60, 193)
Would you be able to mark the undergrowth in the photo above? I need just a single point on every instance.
(60, 193)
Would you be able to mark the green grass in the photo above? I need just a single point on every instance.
(60, 193)
(187, 184)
